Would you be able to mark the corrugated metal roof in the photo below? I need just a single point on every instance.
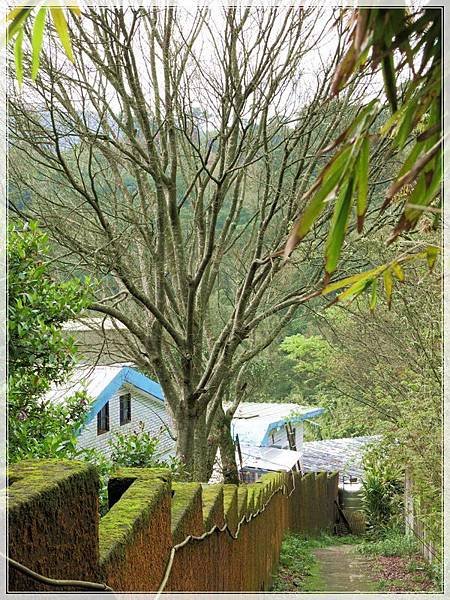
(268, 459)
(342, 454)
(253, 422)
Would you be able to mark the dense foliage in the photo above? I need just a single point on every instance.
(140, 448)
(39, 353)
(380, 373)
(383, 489)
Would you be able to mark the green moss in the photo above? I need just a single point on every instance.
(230, 505)
(212, 504)
(132, 512)
(254, 497)
(31, 481)
(269, 481)
(242, 501)
(185, 501)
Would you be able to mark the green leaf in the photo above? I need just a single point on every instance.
(18, 22)
(357, 126)
(62, 30)
(398, 271)
(13, 13)
(338, 227)
(327, 182)
(36, 40)
(432, 254)
(405, 126)
(336, 285)
(354, 290)
(412, 157)
(363, 178)
(388, 285)
(18, 56)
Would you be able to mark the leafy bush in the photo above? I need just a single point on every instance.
(104, 468)
(48, 431)
(140, 449)
(382, 490)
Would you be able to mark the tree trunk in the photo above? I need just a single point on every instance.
(193, 448)
(227, 449)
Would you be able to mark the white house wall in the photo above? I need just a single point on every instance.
(144, 408)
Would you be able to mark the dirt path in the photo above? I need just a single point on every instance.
(342, 569)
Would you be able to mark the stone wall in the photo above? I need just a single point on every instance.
(192, 537)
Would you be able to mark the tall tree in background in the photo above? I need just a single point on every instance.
(172, 160)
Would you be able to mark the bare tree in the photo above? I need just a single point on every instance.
(169, 162)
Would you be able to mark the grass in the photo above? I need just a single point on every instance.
(298, 569)
(393, 543)
(413, 573)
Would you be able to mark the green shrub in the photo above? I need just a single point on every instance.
(382, 491)
(104, 468)
(141, 449)
(393, 543)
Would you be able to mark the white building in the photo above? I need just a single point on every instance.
(269, 435)
(122, 398)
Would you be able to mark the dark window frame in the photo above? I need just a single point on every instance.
(125, 408)
(103, 419)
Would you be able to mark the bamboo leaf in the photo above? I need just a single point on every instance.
(357, 126)
(412, 157)
(62, 29)
(18, 22)
(13, 13)
(37, 39)
(344, 70)
(398, 271)
(18, 57)
(405, 126)
(354, 290)
(75, 10)
(412, 174)
(325, 185)
(388, 285)
(363, 177)
(336, 285)
(389, 80)
(338, 228)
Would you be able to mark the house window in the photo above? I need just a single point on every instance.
(125, 409)
(103, 419)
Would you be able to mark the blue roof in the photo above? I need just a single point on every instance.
(124, 375)
(255, 422)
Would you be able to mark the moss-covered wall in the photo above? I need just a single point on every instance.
(52, 522)
(187, 511)
(149, 515)
(135, 535)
